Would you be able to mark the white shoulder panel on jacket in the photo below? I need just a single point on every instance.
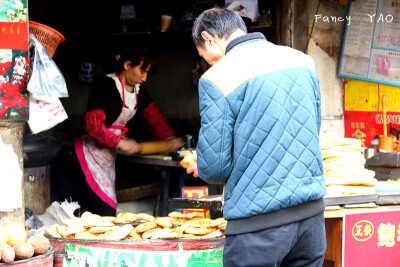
(250, 60)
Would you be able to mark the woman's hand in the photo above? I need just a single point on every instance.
(129, 146)
(175, 143)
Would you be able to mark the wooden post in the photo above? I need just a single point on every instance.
(11, 133)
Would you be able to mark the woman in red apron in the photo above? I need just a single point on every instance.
(114, 100)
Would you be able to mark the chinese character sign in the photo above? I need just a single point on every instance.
(371, 239)
(14, 61)
(363, 118)
(193, 191)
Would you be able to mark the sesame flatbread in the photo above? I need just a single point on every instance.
(119, 233)
(146, 226)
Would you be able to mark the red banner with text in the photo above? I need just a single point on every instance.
(14, 35)
(14, 61)
(365, 125)
(371, 239)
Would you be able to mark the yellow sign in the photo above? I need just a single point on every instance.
(367, 96)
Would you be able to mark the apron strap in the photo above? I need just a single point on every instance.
(120, 127)
(123, 92)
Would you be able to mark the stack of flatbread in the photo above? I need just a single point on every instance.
(176, 225)
(344, 170)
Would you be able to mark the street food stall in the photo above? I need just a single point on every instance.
(355, 184)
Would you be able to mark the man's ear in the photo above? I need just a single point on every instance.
(207, 37)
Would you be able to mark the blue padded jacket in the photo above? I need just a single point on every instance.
(260, 122)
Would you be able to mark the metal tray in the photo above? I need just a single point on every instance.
(388, 199)
(352, 199)
(212, 202)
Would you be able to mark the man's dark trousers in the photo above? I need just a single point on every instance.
(297, 244)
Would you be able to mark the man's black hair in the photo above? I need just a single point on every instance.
(216, 21)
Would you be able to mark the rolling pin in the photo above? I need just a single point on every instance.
(154, 147)
(385, 142)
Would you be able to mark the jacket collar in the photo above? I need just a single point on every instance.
(244, 38)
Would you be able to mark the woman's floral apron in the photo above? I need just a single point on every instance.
(98, 162)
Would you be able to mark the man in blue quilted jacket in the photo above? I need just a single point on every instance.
(260, 122)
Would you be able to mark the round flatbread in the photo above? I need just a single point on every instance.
(148, 234)
(86, 235)
(215, 234)
(118, 233)
(102, 230)
(178, 222)
(126, 217)
(351, 181)
(200, 223)
(146, 226)
(52, 231)
(335, 190)
(110, 219)
(146, 217)
(198, 231)
(188, 216)
(164, 222)
(222, 227)
(216, 222)
(340, 142)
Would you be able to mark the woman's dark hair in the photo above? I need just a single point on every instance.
(135, 56)
(216, 21)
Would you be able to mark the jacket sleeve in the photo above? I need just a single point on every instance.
(215, 143)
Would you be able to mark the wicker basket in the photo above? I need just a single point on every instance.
(47, 36)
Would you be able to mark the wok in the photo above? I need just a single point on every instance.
(39, 150)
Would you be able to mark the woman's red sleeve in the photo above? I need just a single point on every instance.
(159, 125)
(94, 124)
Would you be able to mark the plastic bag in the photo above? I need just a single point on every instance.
(56, 213)
(46, 82)
(45, 115)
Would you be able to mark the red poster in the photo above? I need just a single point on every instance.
(365, 125)
(14, 61)
(14, 35)
(371, 239)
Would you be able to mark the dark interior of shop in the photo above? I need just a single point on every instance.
(93, 30)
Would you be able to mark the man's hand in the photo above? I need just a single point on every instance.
(193, 169)
(129, 146)
(189, 162)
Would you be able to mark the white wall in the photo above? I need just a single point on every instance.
(325, 47)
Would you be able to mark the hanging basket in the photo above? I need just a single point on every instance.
(47, 36)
